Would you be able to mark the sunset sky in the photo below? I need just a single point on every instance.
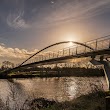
(28, 25)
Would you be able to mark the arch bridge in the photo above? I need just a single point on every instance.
(98, 50)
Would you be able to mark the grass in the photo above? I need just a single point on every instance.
(92, 101)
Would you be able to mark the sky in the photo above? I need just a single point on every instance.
(27, 26)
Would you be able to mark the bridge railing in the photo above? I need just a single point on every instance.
(97, 44)
(100, 43)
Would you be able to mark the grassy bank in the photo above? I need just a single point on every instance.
(92, 101)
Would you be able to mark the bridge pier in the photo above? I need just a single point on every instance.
(106, 68)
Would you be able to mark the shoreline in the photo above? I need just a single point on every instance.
(72, 72)
(47, 76)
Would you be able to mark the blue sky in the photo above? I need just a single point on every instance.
(33, 24)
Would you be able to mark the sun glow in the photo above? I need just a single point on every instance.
(70, 43)
(71, 38)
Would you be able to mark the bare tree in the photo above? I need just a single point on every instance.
(7, 64)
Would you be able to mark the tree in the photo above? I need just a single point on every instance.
(7, 65)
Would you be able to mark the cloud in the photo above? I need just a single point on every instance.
(14, 54)
(67, 10)
(15, 20)
(2, 44)
(82, 9)
(17, 55)
(42, 16)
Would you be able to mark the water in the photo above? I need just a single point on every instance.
(59, 89)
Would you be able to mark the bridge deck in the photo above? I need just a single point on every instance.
(65, 58)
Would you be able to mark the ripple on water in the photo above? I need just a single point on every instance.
(60, 89)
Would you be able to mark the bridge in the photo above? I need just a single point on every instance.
(98, 50)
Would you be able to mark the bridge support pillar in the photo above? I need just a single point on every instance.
(107, 102)
(106, 67)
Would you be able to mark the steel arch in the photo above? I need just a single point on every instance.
(55, 45)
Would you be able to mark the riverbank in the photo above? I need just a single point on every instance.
(65, 72)
(92, 101)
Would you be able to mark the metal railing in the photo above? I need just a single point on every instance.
(96, 44)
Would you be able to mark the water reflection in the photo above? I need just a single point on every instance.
(53, 88)
(60, 89)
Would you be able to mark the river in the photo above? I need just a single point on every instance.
(59, 89)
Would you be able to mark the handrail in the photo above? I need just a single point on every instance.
(55, 45)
